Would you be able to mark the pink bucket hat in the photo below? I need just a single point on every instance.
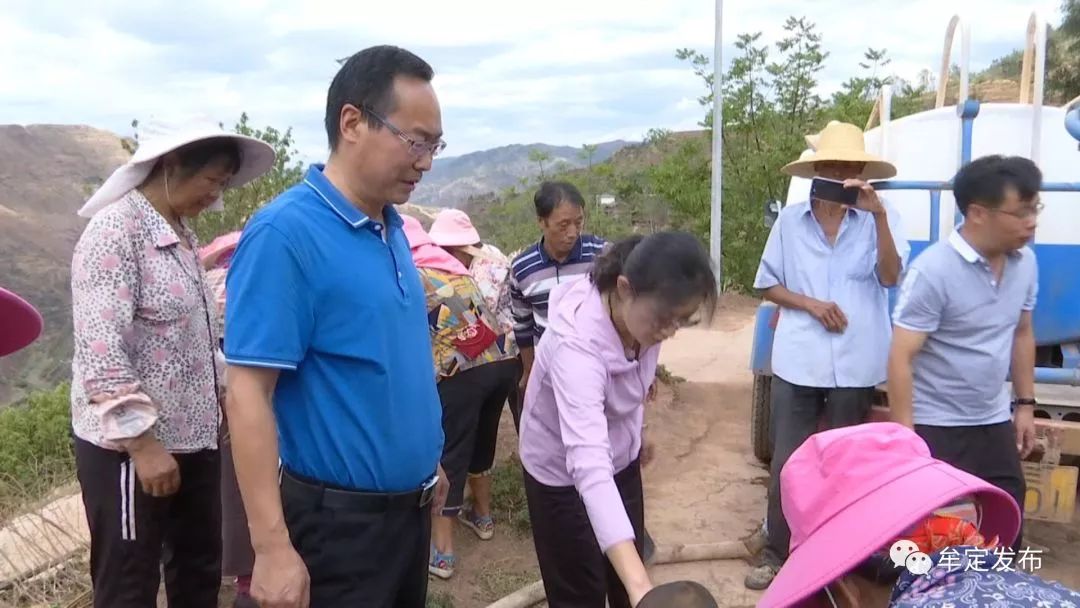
(848, 492)
(453, 228)
(20, 323)
(414, 232)
(219, 250)
(425, 253)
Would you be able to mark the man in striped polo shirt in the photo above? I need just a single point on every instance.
(562, 254)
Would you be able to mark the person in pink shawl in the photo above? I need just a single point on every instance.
(475, 367)
(237, 556)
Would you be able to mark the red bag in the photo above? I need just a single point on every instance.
(474, 339)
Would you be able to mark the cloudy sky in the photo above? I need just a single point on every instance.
(556, 71)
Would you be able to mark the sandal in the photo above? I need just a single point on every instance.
(483, 526)
(441, 564)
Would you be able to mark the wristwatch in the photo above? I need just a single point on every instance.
(1027, 401)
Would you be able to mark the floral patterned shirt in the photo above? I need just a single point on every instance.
(145, 343)
(492, 276)
(464, 332)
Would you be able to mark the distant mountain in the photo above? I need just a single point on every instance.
(452, 180)
(46, 172)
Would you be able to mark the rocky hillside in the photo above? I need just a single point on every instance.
(46, 172)
(453, 180)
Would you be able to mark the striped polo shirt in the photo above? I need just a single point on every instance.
(534, 273)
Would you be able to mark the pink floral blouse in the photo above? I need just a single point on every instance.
(145, 333)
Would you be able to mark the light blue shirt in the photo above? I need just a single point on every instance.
(799, 257)
(951, 294)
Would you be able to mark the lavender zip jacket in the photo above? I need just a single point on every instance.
(584, 407)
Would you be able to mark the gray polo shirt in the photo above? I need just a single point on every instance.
(951, 294)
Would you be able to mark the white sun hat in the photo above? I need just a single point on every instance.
(157, 139)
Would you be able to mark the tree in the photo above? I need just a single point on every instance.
(1063, 55)
(770, 102)
(587, 153)
(540, 157)
(700, 64)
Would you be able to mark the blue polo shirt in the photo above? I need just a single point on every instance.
(318, 291)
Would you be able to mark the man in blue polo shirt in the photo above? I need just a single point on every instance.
(327, 333)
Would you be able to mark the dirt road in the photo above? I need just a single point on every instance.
(705, 485)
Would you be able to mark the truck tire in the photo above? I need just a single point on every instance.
(760, 437)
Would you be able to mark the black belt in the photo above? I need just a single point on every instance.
(350, 500)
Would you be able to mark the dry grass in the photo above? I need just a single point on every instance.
(500, 578)
(441, 599)
(508, 500)
(66, 585)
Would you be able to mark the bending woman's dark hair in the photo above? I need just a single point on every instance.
(195, 156)
(671, 266)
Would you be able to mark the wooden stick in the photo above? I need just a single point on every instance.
(677, 554)
(522, 598)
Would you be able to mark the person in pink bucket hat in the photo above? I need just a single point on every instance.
(475, 370)
(453, 230)
(856, 493)
(20, 323)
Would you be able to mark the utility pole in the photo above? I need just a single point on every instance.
(715, 240)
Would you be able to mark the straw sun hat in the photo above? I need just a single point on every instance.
(839, 142)
(159, 139)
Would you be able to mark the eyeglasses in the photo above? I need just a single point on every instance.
(1022, 214)
(667, 320)
(416, 148)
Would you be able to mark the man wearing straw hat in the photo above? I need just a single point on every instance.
(827, 266)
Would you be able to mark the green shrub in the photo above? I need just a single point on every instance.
(35, 448)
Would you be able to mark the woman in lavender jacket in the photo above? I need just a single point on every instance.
(581, 425)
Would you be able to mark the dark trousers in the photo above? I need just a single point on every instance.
(237, 556)
(516, 399)
(796, 412)
(987, 452)
(132, 533)
(576, 573)
(357, 556)
(472, 405)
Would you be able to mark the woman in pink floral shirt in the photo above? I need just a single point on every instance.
(145, 381)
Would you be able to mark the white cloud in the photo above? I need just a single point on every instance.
(561, 71)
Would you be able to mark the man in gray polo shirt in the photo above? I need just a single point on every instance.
(963, 320)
